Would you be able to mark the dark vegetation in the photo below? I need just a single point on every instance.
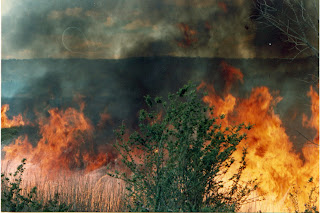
(179, 158)
(176, 161)
(39, 85)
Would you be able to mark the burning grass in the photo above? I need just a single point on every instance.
(66, 144)
(271, 158)
(64, 160)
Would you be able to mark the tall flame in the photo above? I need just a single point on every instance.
(313, 122)
(65, 144)
(271, 158)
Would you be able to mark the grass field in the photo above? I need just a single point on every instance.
(94, 191)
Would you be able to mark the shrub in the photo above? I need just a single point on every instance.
(178, 157)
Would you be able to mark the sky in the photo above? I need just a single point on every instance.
(113, 29)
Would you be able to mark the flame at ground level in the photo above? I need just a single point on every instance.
(66, 144)
(282, 173)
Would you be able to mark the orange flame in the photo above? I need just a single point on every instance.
(311, 151)
(66, 137)
(16, 120)
(65, 144)
(314, 120)
(271, 158)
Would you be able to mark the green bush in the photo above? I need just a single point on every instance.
(12, 199)
(178, 157)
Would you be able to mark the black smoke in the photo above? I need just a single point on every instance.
(118, 87)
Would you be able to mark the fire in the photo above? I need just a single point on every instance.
(314, 120)
(67, 136)
(16, 120)
(271, 157)
(65, 144)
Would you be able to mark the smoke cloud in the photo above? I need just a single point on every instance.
(153, 47)
(119, 29)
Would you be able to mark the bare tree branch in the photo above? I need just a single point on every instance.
(294, 19)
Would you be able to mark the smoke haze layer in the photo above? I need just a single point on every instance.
(115, 29)
(117, 87)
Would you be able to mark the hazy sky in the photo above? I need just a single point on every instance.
(132, 28)
(126, 28)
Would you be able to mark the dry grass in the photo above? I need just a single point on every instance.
(94, 191)
(98, 192)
